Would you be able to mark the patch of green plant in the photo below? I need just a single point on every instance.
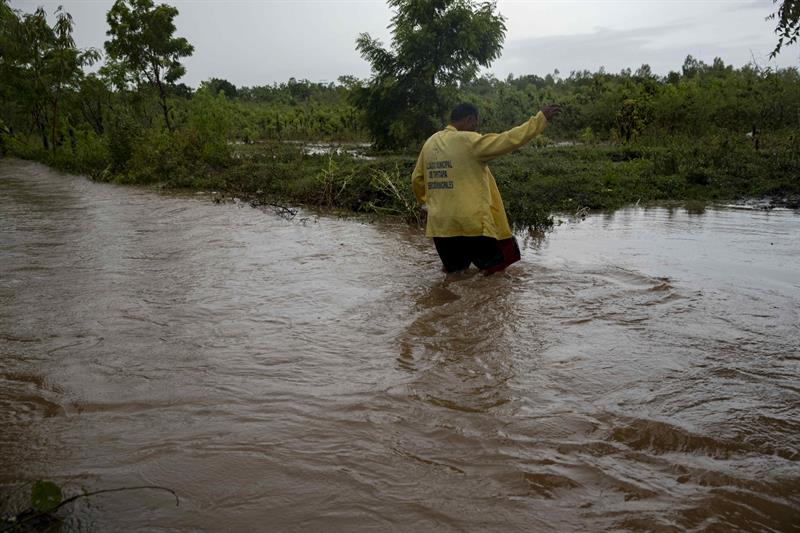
(47, 498)
(394, 196)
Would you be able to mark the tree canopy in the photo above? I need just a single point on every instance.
(436, 45)
(142, 49)
(39, 63)
(216, 85)
(788, 28)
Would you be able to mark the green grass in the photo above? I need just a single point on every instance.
(610, 177)
(535, 181)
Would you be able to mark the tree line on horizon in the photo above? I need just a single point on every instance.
(133, 118)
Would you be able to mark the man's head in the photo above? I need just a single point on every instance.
(464, 117)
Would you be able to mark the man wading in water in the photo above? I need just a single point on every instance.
(466, 217)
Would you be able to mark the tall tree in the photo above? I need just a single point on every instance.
(9, 22)
(65, 63)
(142, 49)
(39, 63)
(9, 53)
(215, 85)
(788, 28)
(35, 41)
(436, 45)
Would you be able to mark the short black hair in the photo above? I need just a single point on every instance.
(463, 110)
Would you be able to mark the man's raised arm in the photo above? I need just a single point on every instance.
(491, 145)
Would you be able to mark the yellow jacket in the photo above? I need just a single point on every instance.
(452, 177)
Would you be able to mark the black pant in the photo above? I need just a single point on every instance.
(457, 253)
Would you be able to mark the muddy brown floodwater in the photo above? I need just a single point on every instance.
(636, 371)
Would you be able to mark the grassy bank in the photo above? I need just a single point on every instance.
(535, 181)
(686, 171)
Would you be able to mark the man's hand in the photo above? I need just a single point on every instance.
(551, 110)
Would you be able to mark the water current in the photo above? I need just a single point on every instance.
(635, 371)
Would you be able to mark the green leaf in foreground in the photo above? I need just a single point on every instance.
(45, 496)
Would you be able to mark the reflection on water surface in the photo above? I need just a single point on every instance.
(635, 371)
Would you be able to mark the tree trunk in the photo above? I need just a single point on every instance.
(163, 97)
(73, 140)
(41, 126)
(93, 116)
(165, 109)
(55, 119)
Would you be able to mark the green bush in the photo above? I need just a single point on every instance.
(208, 129)
(123, 133)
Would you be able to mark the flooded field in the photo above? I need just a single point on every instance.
(635, 371)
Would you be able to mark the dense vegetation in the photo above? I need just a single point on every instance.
(703, 132)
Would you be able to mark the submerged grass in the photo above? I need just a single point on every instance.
(535, 181)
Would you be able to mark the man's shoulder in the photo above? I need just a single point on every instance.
(448, 134)
(448, 142)
(432, 140)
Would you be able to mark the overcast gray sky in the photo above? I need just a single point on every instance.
(256, 42)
